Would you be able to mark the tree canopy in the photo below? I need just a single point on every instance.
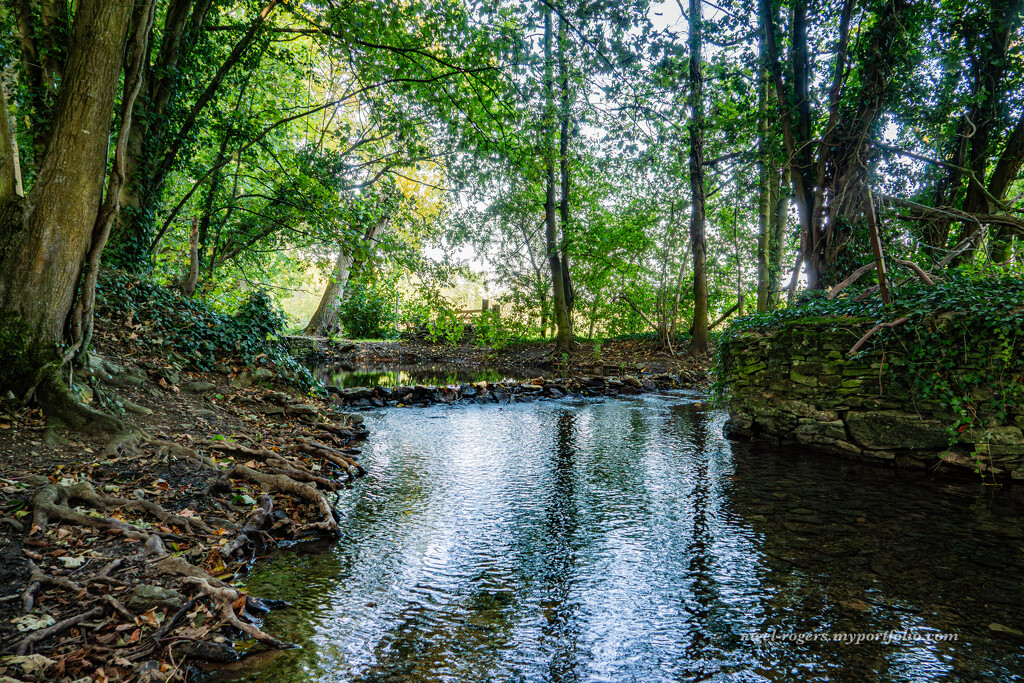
(600, 168)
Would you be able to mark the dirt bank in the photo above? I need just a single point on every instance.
(119, 558)
(527, 359)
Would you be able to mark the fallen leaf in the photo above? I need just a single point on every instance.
(999, 628)
(32, 665)
(34, 622)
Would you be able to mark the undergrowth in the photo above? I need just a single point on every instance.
(161, 320)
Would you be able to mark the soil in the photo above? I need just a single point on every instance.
(119, 558)
(118, 555)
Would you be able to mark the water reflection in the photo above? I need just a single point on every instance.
(348, 376)
(625, 540)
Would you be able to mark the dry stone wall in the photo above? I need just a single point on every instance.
(796, 385)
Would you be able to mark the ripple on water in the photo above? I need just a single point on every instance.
(625, 540)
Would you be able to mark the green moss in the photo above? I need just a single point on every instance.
(22, 355)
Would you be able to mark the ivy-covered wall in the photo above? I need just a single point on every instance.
(936, 391)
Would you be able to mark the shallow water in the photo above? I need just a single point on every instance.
(626, 540)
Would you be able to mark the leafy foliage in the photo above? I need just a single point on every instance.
(368, 310)
(165, 321)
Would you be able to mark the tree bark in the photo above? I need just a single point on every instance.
(44, 237)
(764, 187)
(777, 250)
(564, 338)
(565, 123)
(326, 315)
(699, 340)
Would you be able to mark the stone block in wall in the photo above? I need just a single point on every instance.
(804, 409)
(804, 368)
(894, 429)
(1001, 436)
(993, 449)
(834, 429)
(806, 380)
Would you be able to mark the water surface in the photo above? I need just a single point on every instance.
(626, 540)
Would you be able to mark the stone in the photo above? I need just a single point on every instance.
(198, 387)
(894, 429)
(146, 597)
(805, 409)
(263, 374)
(1000, 436)
(806, 380)
(356, 393)
(242, 380)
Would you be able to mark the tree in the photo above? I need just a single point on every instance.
(698, 240)
(560, 283)
(46, 235)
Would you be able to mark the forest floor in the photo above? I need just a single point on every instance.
(119, 559)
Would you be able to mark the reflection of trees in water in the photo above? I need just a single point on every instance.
(560, 632)
(405, 375)
(854, 548)
(704, 590)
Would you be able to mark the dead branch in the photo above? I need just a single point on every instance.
(917, 269)
(853, 277)
(42, 634)
(870, 333)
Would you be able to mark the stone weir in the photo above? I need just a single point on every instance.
(797, 385)
(504, 392)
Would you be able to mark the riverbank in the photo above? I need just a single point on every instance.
(125, 558)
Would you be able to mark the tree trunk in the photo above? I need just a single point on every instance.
(699, 341)
(326, 316)
(44, 237)
(565, 122)
(777, 250)
(563, 325)
(764, 191)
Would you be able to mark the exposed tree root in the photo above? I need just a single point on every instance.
(285, 484)
(42, 634)
(252, 531)
(39, 579)
(299, 468)
(223, 599)
(51, 501)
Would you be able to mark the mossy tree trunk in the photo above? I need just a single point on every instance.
(46, 235)
(699, 340)
(564, 341)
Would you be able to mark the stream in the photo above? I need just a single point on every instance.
(626, 540)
